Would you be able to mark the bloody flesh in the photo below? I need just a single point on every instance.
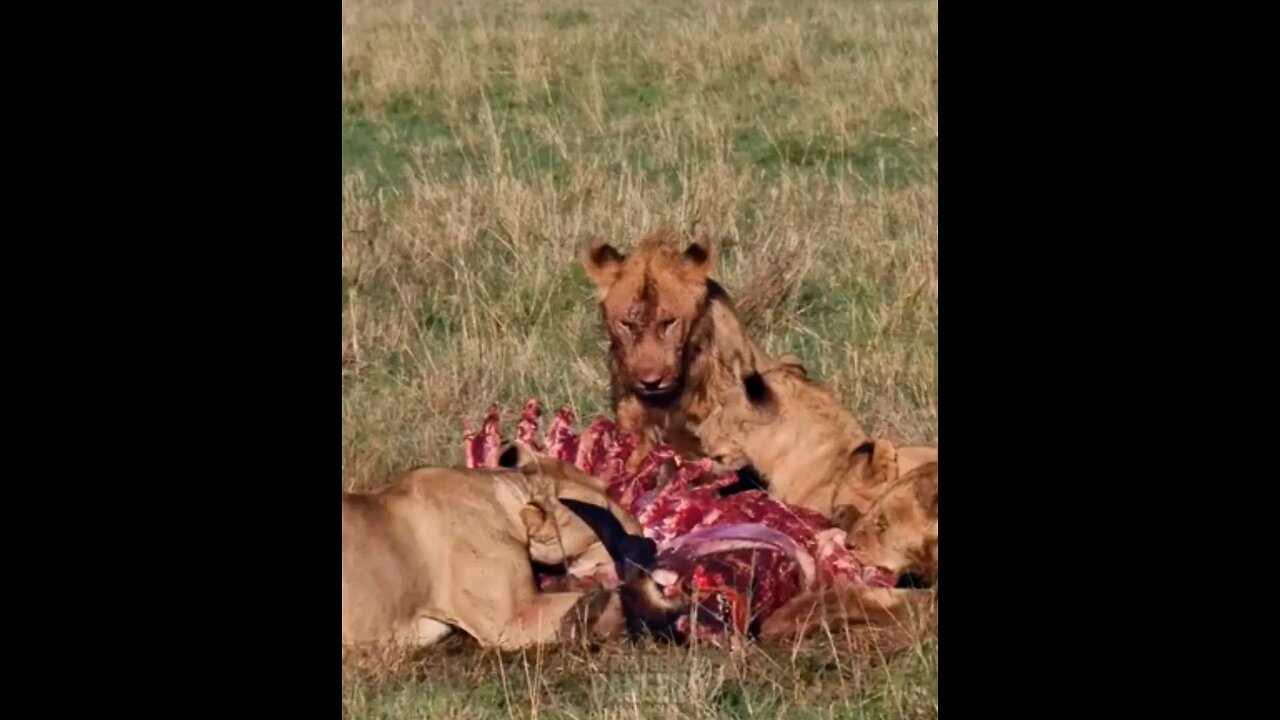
(740, 556)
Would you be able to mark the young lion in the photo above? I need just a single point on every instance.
(443, 549)
(673, 336)
(798, 436)
(899, 531)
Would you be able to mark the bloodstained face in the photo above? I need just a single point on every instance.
(651, 301)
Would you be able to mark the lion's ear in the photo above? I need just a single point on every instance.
(537, 523)
(881, 461)
(699, 260)
(752, 384)
(926, 487)
(603, 263)
(759, 394)
(517, 456)
(793, 365)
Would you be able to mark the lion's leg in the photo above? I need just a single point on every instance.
(557, 617)
(540, 620)
(497, 619)
(422, 631)
(845, 605)
(515, 614)
(598, 615)
(633, 419)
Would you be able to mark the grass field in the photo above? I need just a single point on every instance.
(483, 141)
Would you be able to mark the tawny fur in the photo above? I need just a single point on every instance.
(813, 452)
(450, 548)
(850, 606)
(795, 433)
(899, 531)
(671, 328)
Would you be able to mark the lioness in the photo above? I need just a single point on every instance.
(848, 605)
(899, 531)
(672, 332)
(812, 453)
(795, 433)
(451, 548)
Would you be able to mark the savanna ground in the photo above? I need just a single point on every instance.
(483, 141)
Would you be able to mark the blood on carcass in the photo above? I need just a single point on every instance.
(743, 555)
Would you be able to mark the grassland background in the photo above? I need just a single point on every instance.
(483, 141)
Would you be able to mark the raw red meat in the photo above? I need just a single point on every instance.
(740, 556)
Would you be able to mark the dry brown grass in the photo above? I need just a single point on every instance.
(839, 672)
(483, 141)
(461, 285)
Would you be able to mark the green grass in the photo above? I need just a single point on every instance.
(483, 141)
(826, 678)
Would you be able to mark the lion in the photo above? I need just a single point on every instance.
(797, 435)
(673, 337)
(897, 532)
(812, 451)
(442, 549)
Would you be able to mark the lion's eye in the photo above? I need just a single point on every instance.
(666, 325)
